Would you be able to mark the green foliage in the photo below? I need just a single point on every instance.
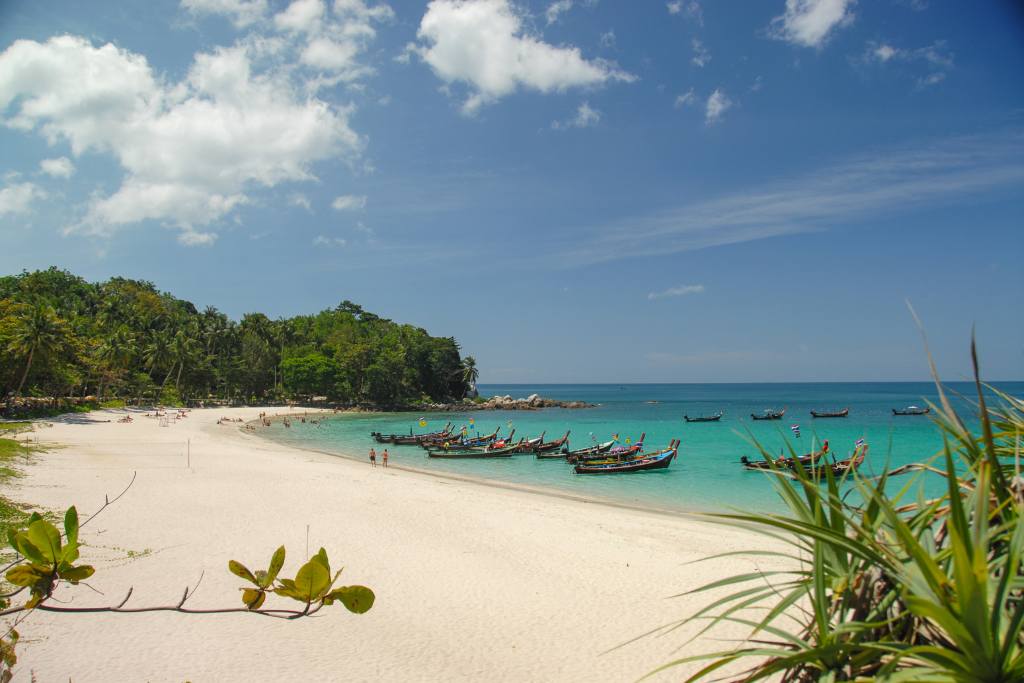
(312, 585)
(49, 558)
(63, 336)
(895, 586)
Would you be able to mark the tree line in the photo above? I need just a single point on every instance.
(64, 336)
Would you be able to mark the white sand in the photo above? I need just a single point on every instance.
(473, 582)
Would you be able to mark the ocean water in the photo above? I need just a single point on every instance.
(706, 475)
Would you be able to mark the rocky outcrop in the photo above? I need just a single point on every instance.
(531, 402)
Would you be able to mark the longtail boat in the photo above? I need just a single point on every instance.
(911, 410)
(769, 414)
(553, 445)
(644, 461)
(461, 441)
(843, 467)
(704, 418)
(597, 450)
(805, 460)
(472, 454)
(830, 413)
(410, 437)
(498, 445)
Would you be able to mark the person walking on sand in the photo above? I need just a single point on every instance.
(373, 458)
(384, 459)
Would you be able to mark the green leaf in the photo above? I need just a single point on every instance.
(25, 575)
(71, 525)
(357, 599)
(276, 562)
(28, 549)
(312, 581)
(76, 574)
(253, 598)
(321, 557)
(46, 538)
(240, 570)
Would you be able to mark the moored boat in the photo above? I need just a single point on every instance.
(911, 410)
(769, 414)
(599, 450)
(637, 463)
(830, 413)
(704, 418)
(410, 438)
(555, 445)
(790, 463)
(843, 467)
(460, 440)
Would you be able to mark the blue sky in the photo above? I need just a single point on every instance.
(580, 190)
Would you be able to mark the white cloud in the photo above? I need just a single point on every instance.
(701, 56)
(692, 9)
(556, 9)
(484, 45)
(301, 16)
(681, 290)
(18, 198)
(325, 241)
(191, 151)
(808, 23)
(608, 38)
(300, 200)
(61, 167)
(935, 57)
(242, 13)
(586, 116)
(885, 184)
(349, 202)
(718, 104)
(687, 99)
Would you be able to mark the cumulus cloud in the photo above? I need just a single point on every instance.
(557, 9)
(349, 202)
(687, 99)
(484, 45)
(936, 58)
(586, 116)
(701, 55)
(718, 103)
(808, 23)
(61, 167)
(325, 241)
(681, 290)
(191, 151)
(18, 198)
(242, 13)
(301, 16)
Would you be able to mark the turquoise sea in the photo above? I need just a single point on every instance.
(706, 476)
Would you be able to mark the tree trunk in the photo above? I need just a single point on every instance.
(177, 379)
(24, 375)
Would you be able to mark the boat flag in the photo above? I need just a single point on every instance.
(628, 441)
(472, 422)
(796, 430)
(859, 443)
(615, 436)
(423, 422)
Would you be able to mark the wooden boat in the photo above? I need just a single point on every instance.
(704, 418)
(460, 441)
(830, 413)
(788, 463)
(553, 445)
(769, 414)
(911, 410)
(459, 447)
(645, 461)
(472, 454)
(844, 467)
(596, 451)
(410, 437)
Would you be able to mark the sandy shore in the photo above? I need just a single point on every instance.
(473, 582)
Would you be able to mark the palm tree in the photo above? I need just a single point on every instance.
(40, 333)
(469, 373)
(182, 350)
(116, 351)
(158, 354)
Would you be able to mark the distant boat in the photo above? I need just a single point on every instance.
(769, 414)
(704, 418)
(830, 413)
(652, 461)
(805, 460)
(652, 402)
(911, 410)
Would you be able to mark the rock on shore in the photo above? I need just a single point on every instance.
(531, 402)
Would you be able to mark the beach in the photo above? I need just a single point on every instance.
(473, 581)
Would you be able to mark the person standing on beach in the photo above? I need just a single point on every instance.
(385, 458)
(373, 458)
